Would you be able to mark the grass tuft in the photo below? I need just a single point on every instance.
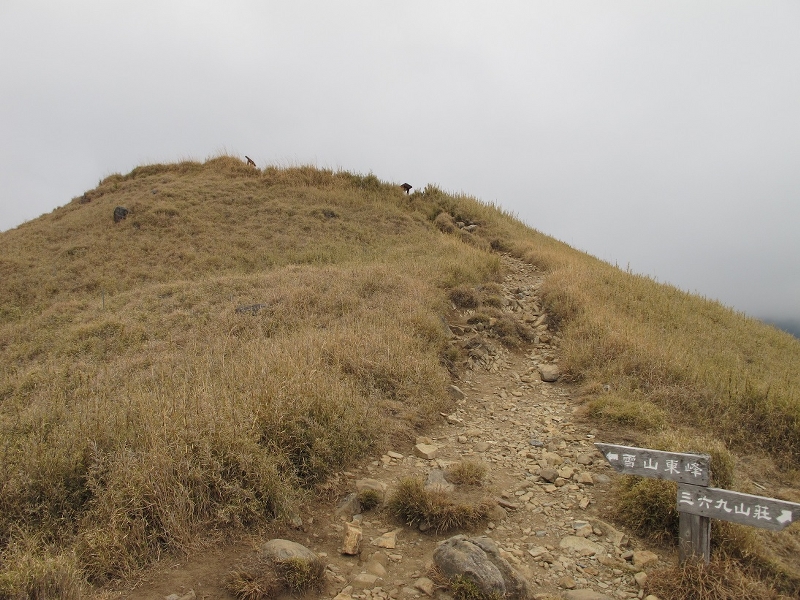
(466, 472)
(464, 297)
(261, 578)
(463, 588)
(369, 499)
(436, 510)
(28, 571)
(718, 580)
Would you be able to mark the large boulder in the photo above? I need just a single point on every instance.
(478, 560)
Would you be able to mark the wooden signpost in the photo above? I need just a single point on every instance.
(697, 503)
(675, 466)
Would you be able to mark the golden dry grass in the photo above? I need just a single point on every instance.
(719, 580)
(139, 409)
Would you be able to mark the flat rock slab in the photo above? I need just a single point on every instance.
(580, 545)
(387, 540)
(436, 482)
(427, 451)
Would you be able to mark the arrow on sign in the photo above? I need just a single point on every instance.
(727, 505)
(647, 462)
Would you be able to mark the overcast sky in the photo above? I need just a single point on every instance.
(661, 136)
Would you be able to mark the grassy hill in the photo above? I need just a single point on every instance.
(204, 363)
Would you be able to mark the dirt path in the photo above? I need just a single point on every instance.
(543, 470)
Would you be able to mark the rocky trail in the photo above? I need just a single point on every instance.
(547, 483)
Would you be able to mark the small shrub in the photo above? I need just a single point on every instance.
(464, 297)
(648, 506)
(260, 578)
(252, 585)
(369, 499)
(499, 245)
(512, 332)
(298, 575)
(466, 472)
(464, 588)
(444, 223)
(461, 587)
(415, 505)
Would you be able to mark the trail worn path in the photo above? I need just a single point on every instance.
(548, 481)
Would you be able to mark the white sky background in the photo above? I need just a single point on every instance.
(663, 136)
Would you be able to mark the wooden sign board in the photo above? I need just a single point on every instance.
(674, 466)
(756, 511)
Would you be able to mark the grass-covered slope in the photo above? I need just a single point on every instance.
(139, 408)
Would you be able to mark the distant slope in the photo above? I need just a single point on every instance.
(787, 325)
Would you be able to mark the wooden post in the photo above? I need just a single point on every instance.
(694, 537)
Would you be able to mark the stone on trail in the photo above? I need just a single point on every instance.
(387, 540)
(425, 585)
(567, 582)
(437, 483)
(549, 373)
(190, 595)
(427, 451)
(351, 544)
(364, 581)
(553, 459)
(376, 568)
(641, 579)
(580, 545)
(456, 393)
(566, 472)
(585, 478)
(349, 506)
(642, 558)
(549, 475)
(279, 550)
(478, 559)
